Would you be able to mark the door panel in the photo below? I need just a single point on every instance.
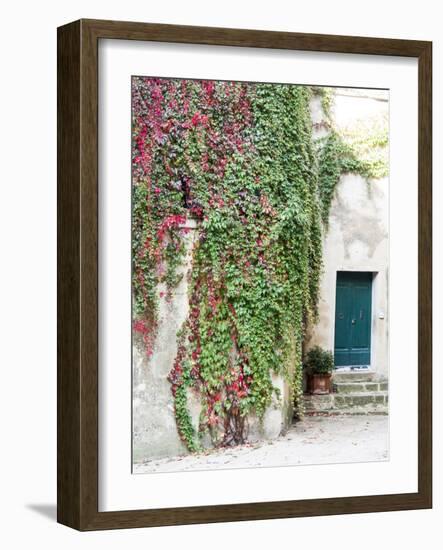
(342, 324)
(353, 318)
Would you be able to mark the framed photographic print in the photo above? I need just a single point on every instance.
(244, 275)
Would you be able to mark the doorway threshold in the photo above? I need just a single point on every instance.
(353, 368)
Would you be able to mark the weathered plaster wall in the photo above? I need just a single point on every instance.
(357, 238)
(154, 428)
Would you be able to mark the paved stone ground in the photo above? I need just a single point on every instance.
(315, 440)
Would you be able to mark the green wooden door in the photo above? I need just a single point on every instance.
(353, 318)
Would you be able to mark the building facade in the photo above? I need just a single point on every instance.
(353, 305)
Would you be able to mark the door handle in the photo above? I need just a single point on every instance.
(353, 321)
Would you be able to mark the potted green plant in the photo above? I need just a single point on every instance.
(319, 364)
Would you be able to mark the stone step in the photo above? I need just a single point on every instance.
(360, 398)
(380, 410)
(373, 402)
(319, 402)
(353, 376)
(364, 386)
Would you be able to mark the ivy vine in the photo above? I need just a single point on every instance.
(336, 157)
(240, 159)
(360, 150)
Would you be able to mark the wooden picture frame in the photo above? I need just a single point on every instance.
(77, 457)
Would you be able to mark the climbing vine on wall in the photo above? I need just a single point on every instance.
(239, 159)
(360, 149)
(336, 157)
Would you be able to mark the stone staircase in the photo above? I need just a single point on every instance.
(354, 392)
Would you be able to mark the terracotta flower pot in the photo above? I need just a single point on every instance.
(320, 384)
